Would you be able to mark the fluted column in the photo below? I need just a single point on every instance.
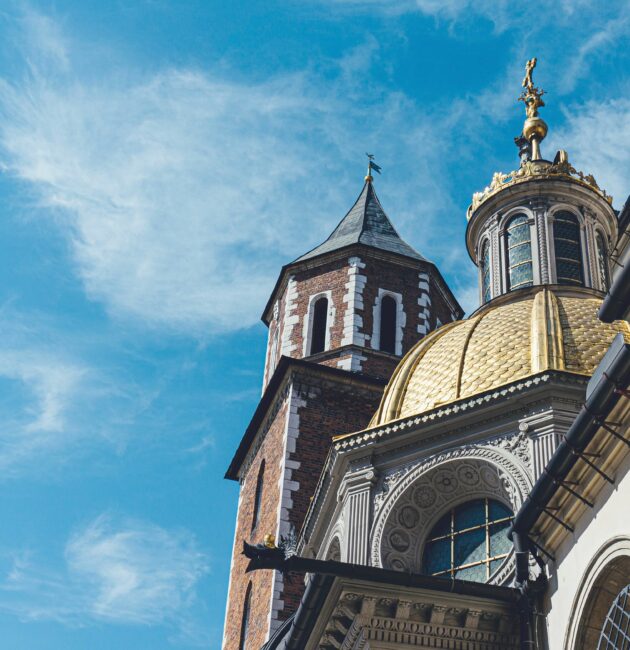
(355, 492)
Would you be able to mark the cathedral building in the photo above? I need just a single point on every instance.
(411, 479)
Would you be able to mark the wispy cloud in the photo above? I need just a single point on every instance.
(182, 194)
(117, 570)
(596, 135)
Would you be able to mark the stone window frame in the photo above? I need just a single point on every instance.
(483, 242)
(503, 247)
(401, 319)
(587, 280)
(601, 236)
(310, 317)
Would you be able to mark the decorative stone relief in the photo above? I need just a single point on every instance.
(410, 499)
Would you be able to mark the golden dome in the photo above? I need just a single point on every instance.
(508, 339)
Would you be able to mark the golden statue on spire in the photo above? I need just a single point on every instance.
(532, 96)
(534, 129)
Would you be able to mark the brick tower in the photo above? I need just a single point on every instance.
(340, 317)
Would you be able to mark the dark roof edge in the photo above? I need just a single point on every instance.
(282, 369)
(603, 395)
(616, 302)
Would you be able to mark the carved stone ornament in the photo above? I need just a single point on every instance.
(410, 499)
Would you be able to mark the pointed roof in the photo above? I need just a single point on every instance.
(366, 223)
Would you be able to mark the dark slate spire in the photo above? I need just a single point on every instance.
(366, 224)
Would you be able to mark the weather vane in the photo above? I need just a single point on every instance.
(371, 166)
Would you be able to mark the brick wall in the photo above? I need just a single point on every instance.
(353, 283)
(294, 449)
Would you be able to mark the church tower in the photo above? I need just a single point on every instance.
(340, 318)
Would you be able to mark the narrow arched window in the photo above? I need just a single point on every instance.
(485, 272)
(258, 495)
(245, 617)
(519, 252)
(388, 325)
(320, 318)
(566, 244)
(469, 542)
(602, 263)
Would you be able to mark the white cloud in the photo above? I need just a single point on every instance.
(184, 193)
(596, 136)
(117, 570)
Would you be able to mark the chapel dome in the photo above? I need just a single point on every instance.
(514, 336)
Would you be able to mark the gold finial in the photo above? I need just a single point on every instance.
(534, 129)
(270, 541)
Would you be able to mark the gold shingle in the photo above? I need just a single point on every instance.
(545, 329)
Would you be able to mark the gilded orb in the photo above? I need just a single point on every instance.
(535, 127)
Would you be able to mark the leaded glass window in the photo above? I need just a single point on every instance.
(519, 252)
(615, 634)
(602, 263)
(485, 272)
(567, 247)
(470, 542)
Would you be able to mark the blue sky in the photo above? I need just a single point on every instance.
(160, 161)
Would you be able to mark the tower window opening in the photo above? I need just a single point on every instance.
(387, 341)
(567, 248)
(485, 272)
(470, 542)
(320, 318)
(519, 252)
(245, 618)
(602, 263)
(258, 495)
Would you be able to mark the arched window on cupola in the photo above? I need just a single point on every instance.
(567, 249)
(258, 495)
(602, 262)
(320, 321)
(484, 265)
(519, 252)
(245, 617)
(387, 341)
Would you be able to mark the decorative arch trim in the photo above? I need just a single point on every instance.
(583, 614)
(396, 484)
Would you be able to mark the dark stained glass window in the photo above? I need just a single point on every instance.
(602, 263)
(519, 252)
(245, 618)
(320, 318)
(258, 496)
(566, 243)
(388, 325)
(470, 542)
(615, 634)
(485, 272)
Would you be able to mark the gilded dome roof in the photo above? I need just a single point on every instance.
(508, 339)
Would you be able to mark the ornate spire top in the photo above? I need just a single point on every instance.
(534, 129)
(371, 166)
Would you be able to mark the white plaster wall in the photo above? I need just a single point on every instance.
(609, 518)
